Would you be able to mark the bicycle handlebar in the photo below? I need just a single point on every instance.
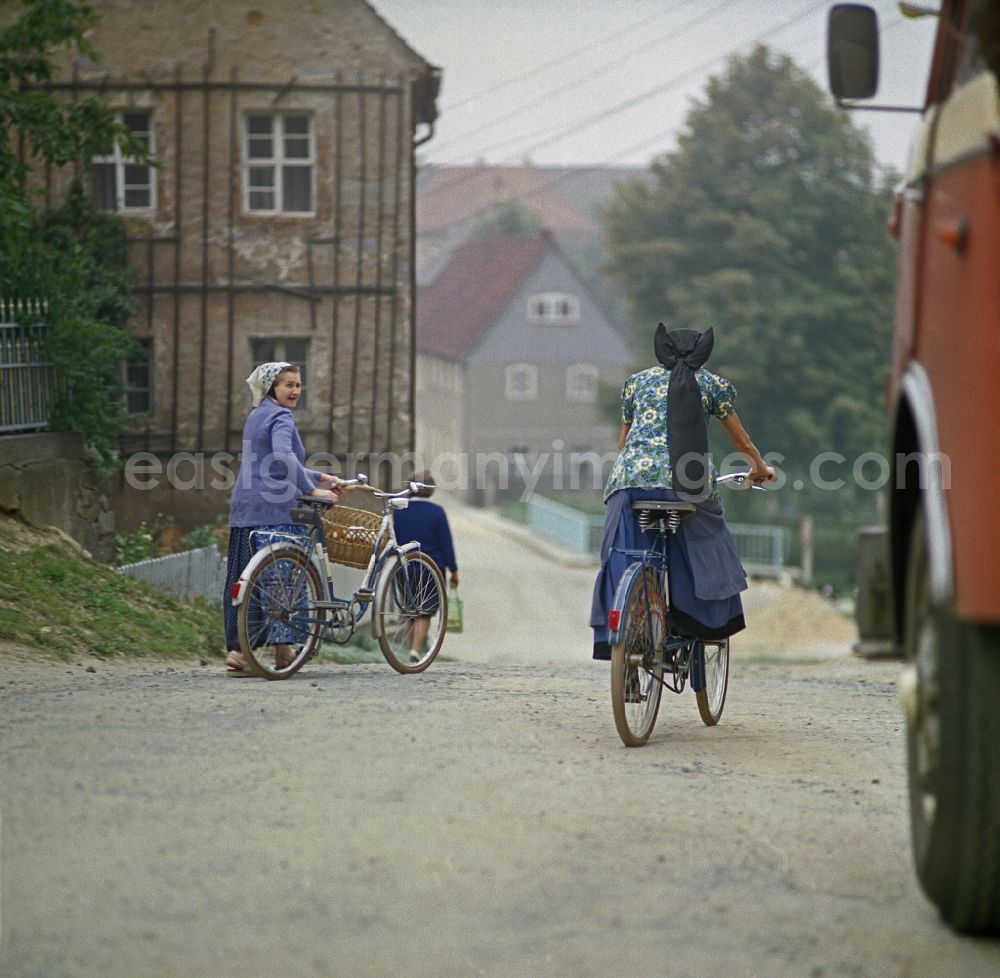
(738, 478)
(361, 482)
(412, 488)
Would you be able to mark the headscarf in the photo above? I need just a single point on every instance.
(262, 378)
(682, 352)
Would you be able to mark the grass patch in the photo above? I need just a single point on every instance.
(56, 601)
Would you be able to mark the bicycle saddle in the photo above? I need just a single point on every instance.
(661, 514)
(664, 506)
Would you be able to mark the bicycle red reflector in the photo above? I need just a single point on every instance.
(234, 591)
(614, 620)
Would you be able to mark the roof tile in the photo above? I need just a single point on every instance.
(472, 290)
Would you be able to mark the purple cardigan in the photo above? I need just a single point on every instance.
(272, 469)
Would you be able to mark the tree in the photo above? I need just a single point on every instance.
(73, 257)
(510, 219)
(768, 223)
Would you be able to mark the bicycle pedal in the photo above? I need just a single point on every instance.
(364, 594)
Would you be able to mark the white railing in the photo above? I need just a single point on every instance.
(191, 574)
(762, 548)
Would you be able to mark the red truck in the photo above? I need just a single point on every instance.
(944, 412)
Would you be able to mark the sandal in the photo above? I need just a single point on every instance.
(236, 667)
(284, 655)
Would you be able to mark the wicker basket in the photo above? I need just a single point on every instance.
(350, 535)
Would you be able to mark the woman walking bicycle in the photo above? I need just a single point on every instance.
(272, 474)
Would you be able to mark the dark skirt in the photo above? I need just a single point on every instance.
(242, 546)
(705, 574)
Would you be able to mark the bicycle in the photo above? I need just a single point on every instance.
(643, 647)
(287, 604)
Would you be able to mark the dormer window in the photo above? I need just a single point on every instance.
(553, 309)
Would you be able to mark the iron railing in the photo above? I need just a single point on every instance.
(27, 379)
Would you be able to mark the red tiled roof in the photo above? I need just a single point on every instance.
(456, 194)
(471, 291)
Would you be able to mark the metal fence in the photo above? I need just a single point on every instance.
(565, 525)
(192, 574)
(763, 549)
(27, 379)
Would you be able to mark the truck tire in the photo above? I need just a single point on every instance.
(953, 753)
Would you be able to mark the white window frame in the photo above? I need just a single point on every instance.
(278, 162)
(578, 375)
(142, 360)
(120, 161)
(521, 382)
(553, 309)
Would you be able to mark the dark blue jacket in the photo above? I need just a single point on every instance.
(427, 523)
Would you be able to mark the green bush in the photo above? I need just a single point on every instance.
(130, 548)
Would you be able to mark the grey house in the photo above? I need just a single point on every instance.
(512, 353)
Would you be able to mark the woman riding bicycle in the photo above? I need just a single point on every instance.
(663, 454)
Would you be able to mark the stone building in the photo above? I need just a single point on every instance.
(278, 226)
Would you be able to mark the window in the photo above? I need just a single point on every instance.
(117, 182)
(553, 309)
(138, 380)
(280, 349)
(581, 383)
(521, 382)
(278, 166)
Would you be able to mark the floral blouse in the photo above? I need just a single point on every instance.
(644, 463)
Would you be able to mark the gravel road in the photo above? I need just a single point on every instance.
(480, 819)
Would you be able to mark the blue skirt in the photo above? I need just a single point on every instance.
(705, 573)
(244, 542)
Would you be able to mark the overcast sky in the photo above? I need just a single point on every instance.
(610, 81)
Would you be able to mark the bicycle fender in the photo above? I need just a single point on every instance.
(633, 571)
(398, 555)
(383, 576)
(239, 588)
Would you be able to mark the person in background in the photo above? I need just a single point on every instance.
(272, 475)
(427, 523)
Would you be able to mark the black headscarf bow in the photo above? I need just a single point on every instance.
(682, 352)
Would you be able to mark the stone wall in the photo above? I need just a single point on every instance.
(46, 480)
(217, 281)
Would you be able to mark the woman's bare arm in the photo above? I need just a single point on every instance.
(760, 471)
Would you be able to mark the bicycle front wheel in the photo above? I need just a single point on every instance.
(713, 665)
(636, 672)
(411, 613)
(279, 622)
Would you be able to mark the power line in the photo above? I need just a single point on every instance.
(618, 62)
(579, 171)
(588, 121)
(538, 69)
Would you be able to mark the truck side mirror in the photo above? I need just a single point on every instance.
(852, 50)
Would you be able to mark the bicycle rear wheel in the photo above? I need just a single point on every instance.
(636, 673)
(411, 600)
(279, 623)
(712, 663)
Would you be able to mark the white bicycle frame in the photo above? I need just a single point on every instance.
(320, 561)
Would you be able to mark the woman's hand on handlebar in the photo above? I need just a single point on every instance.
(761, 473)
(331, 495)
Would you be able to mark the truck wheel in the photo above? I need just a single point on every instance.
(952, 697)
